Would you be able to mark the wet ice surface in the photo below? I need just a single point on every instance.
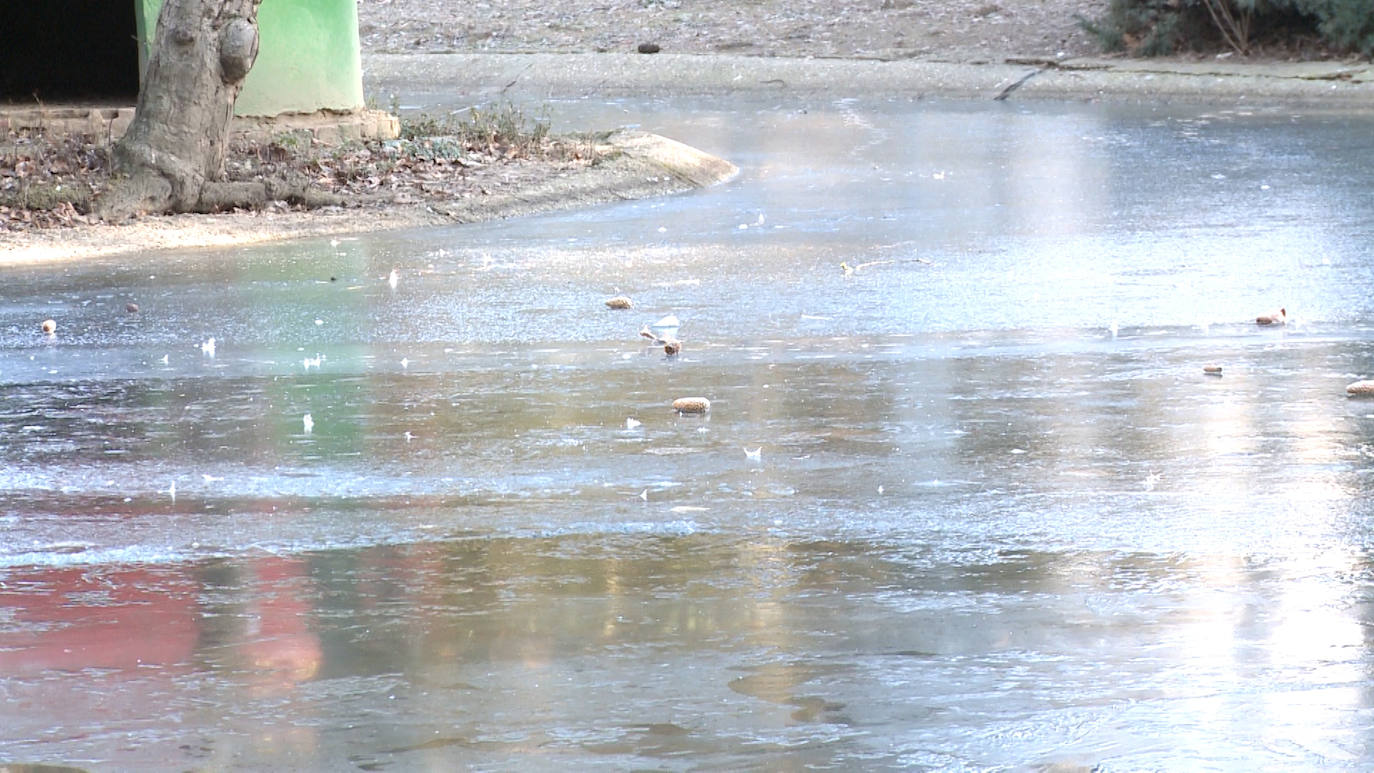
(983, 529)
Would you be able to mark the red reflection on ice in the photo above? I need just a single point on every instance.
(75, 618)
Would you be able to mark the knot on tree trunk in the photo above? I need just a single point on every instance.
(238, 48)
(202, 51)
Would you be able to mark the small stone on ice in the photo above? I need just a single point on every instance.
(691, 405)
(1360, 389)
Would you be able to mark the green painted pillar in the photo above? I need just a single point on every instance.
(308, 56)
(145, 18)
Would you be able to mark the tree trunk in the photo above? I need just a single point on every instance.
(172, 157)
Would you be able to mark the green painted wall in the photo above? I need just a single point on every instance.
(308, 56)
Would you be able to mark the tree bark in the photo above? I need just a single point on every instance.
(202, 51)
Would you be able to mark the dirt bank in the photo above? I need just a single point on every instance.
(976, 49)
(623, 165)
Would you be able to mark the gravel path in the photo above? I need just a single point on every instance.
(933, 30)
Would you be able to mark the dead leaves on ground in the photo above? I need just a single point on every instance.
(49, 182)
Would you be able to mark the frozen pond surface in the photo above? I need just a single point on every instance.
(997, 517)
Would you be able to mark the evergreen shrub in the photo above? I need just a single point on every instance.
(1162, 27)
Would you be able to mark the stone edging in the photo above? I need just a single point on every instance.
(634, 165)
(109, 122)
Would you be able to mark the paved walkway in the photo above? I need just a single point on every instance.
(1344, 86)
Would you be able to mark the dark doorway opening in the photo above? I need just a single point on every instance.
(66, 50)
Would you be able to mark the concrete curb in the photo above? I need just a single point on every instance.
(632, 165)
(1336, 85)
(108, 123)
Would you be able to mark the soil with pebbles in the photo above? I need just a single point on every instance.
(947, 30)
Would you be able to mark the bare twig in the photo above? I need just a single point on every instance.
(1234, 24)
